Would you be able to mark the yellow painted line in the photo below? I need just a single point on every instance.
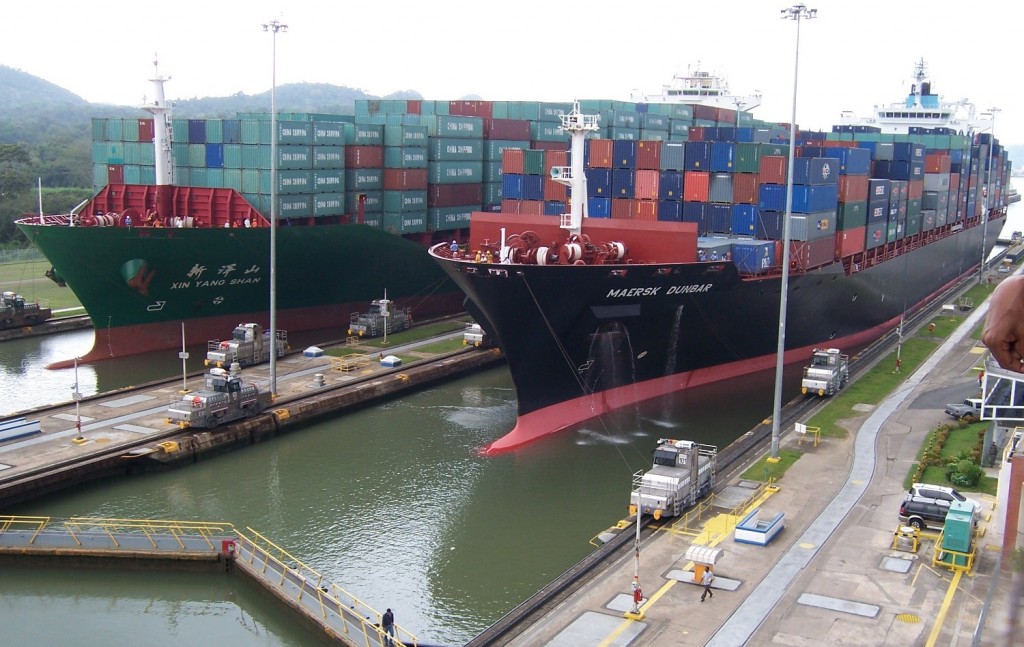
(715, 531)
(944, 609)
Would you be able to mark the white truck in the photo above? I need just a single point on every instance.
(683, 472)
(474, 336)
(829, 371)
(249, 345)
(969, 409)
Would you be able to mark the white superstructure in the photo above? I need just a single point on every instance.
(700, 87)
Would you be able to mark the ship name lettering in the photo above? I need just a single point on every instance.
(210, 284)
(252, 280)
(689, 289)
(633, 292)
(182, 285)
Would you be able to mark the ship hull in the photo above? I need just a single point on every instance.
(140, 284)
(581, 340)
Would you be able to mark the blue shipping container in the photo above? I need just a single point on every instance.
(744, 220)
(719, 218)
(769, 224)
(696, 212)
(623, 183)
(215, 156)
(670, 211)
(599, 182)
(815, 170)
(772, 197)
(512, 186)
(753, 256)
(697, 156)
(670, 185)
(624, 154)
(533, 187)
(808, 198)
(599, 207)
(722, 156)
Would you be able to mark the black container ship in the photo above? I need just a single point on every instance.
(598, 313)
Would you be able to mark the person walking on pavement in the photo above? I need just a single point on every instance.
(706, 580)
(387, 623)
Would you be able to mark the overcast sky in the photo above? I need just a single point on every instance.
(854, 55)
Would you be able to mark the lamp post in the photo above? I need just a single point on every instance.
(797, 12)
(273, 27)
(988, 195)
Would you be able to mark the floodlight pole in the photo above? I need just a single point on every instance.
(273, 27)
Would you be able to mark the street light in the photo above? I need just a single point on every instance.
(797, 12)
(988, 195)
(273, 27)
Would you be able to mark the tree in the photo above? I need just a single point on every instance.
(15, 169)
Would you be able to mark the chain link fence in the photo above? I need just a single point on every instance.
(20, 255)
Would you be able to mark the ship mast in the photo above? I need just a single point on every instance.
(578, 125)
(161, 111)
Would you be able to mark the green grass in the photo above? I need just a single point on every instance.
(444, 346)
(414, 334)
(762, 470)
(872, 387)
(28, 279)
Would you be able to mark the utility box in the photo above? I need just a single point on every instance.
(959, 529)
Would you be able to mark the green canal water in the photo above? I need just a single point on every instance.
(392, 503)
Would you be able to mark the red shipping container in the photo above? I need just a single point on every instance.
(454, 195)
(915, 189)
(645, 185)
(404, 179)
(470, 108)
(532, 207)
(829, 143)
(745, 188)
(515, 129)
(549, 146)
(853, 188)
(705, 112)
(813, 253)
(648, 154)
(695, 134)
(772, 170)
(364, 157)
(115, 174)
(555, 190)
(696, 185)
(510, 206)
(726, 116)
(936, 163)
(623, 208)
(600, 153)
(555, 158)
(646, 210)
(513, 160)
(146, 130)
(414, 106)
(850, 241)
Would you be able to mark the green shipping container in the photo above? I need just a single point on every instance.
(404, 201)
(549, 131)
(404, 222)
(654, 135)
(449, 126)
(329, 181)
(405, 157)
(99, 130)
(233, 179)
(253, 181)
(450, 149)
(197, 155)
(852, 215)
(328, 204)
(291, 182)
(328, 157)
(233, 156)
(288, 157)
(492, 192)
(294, 133)
(455, 172)
(364, 179)
(295, 206)
(366, 135)
(373, 204)
(449, 218)
(179, 131)
(533, 162)
(331, 133)
(403, 135)
(492, 171)
(552, 112)
(746, 157)
(494, 147)
(624, 133)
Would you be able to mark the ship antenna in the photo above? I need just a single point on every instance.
(578, 125)
(161, 111)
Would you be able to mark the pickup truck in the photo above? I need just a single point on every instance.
(968, 410)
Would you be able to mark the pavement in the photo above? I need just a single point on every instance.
(832, 575)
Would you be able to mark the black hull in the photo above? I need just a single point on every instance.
(581, 340)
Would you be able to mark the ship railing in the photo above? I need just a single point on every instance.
(690, 524)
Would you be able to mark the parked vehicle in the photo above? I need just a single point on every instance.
(967, 410)
(939, 494)
(249, 345)
(829, 371)
(923, 515)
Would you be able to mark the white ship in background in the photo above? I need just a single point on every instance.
(697, 86)
(922, 108)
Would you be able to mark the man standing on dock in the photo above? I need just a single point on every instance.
(706, 580)
(387, 623)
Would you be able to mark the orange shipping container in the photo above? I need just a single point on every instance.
(623, 208)
(555, 158)
(403, 179)
(648, 154)
(532, 207)
(853, 188)
(915, 189)
(555, 191)
(510, 206)
(645, 186)
(647, 210)
(696, 185)
(850, 241)
(772, 170)
(744, 188)
(600, 153)
(936, 163)
(513, 160)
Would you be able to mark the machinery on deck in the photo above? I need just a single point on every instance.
(383, 318)
(225, 398)
(249, 345)
(829, 371)
(683, 472)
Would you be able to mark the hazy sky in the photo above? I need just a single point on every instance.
(855, 54)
